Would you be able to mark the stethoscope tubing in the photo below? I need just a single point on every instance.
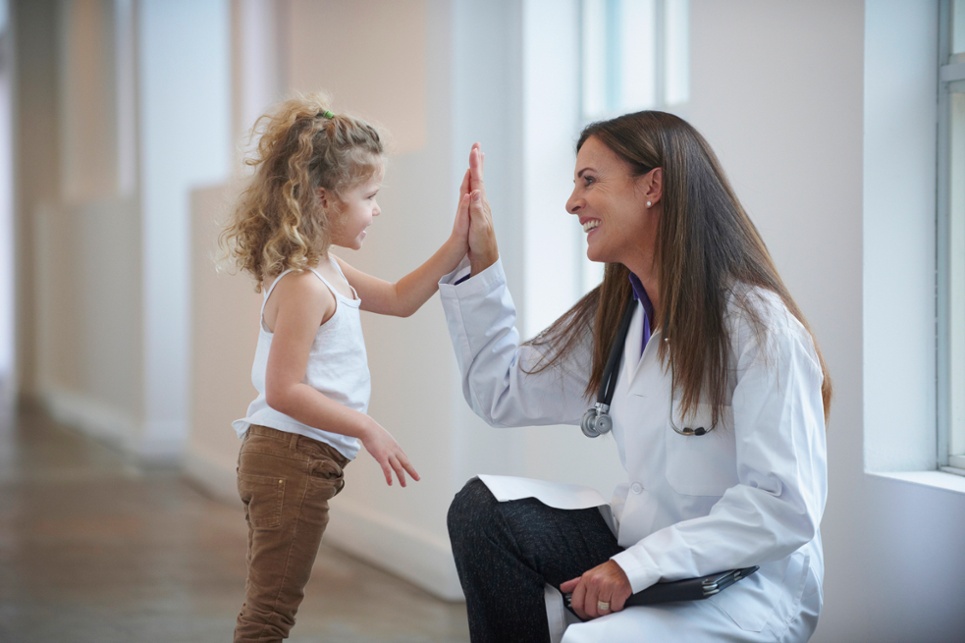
(596, 421)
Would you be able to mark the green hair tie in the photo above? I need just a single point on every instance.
(327, 114)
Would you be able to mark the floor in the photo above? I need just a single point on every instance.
(93, 548)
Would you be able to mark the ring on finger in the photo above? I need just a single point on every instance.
(603, 606)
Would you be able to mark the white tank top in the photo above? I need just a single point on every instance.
(337, 367)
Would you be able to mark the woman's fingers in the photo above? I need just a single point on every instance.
(598, 592)
(483, 251)
(476, 166)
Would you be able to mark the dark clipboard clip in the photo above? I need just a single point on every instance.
(689, 589)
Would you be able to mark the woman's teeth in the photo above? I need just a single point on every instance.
(589, 225)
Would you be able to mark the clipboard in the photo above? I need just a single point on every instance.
(689, 589)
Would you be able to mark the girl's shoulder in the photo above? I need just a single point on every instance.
(302, 281)
(331, 270)
(302, 293)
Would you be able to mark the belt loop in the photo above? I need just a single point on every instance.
(293, 442)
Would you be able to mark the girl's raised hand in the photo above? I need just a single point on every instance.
(460, 227)
(382, 446)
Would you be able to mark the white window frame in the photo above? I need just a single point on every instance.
(951, 243)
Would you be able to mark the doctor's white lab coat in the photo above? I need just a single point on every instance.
(750, 492)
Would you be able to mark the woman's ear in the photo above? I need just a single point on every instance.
(653, 187)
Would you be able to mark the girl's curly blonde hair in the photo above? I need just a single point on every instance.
(278, 222)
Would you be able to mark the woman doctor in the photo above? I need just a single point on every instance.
(718, 412)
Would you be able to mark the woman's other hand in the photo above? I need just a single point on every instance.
(604, 586)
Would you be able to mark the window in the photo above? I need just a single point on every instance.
(634, 56)
(951, 237)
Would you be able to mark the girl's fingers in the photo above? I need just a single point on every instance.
(387, 472)
(411, 470)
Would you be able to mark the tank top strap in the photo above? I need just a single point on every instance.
(268, 291)
(334, 290)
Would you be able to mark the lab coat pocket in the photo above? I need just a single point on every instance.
(770, 596)
(702, 465)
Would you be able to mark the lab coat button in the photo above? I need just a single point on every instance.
(636, 487)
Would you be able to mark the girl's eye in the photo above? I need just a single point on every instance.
(588, 180)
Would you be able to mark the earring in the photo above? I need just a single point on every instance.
(649, 203)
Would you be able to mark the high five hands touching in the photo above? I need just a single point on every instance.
(474, 215)
(473, 231)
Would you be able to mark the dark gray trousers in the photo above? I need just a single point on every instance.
(506, 552)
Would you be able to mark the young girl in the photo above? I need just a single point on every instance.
(317, 177)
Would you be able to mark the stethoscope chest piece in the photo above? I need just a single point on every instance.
(596, 421)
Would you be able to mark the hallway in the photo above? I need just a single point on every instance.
(93, 548)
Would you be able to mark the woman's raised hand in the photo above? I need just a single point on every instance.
(483, 251)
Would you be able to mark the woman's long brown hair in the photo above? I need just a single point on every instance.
(706, 244)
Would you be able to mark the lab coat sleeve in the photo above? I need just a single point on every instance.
(497, 378)
(781, 465)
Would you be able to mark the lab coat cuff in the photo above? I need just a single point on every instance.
(640, 568)
(458, 284)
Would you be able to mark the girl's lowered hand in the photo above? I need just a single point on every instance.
(382, 446)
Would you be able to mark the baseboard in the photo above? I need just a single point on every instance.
(397, 548)
(99, 421)
(110, 426)
(216, 481)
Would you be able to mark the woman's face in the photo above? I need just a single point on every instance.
(611, 205)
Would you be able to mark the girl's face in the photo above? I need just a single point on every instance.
(354, 213)
(611, 205)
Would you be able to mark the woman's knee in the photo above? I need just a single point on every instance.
(471, 508)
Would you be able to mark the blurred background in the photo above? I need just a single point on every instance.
(123, 125)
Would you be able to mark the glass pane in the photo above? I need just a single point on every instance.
(619, 56)
(594, 57)
(637, 62)
(677, 17)
(958, 27)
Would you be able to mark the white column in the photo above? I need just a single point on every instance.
(184, 124)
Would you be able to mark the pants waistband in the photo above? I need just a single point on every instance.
(294, 440)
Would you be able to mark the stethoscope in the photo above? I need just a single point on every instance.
(597, 421)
